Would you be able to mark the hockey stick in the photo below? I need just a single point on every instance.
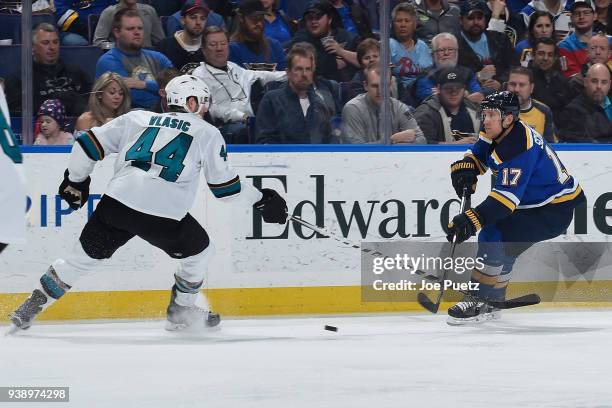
(422, 297)
(521, 301)
(325, 232)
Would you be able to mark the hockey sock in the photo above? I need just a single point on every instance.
(52, 285)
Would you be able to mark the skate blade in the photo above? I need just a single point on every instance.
(472, 321)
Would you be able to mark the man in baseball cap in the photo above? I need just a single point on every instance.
(184, 47)
(474, 6)
(448, 117)
(191, 6)
(574, 48)
(251, 8)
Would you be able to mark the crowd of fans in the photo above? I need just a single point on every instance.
(307, 71)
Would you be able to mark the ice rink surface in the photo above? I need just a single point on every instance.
(528, 359)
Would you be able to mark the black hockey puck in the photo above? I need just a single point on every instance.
(331, 328)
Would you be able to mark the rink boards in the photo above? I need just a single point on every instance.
(361, 192)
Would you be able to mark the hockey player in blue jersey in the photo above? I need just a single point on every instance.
(533, 200)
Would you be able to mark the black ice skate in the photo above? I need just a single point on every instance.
(181, 317)
(22, 317)
(470, 310)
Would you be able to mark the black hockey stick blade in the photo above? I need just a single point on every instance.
(521, 301)
(427, 304)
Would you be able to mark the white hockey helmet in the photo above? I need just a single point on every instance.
(179, 89)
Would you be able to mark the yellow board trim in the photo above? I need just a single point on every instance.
(151, 304)
(503, 200)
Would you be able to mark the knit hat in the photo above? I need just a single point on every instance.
(55, 109)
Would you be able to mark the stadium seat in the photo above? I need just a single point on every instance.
(10, 55)
(84, 57)
(164, 23)
(349, 90)
(10, 25)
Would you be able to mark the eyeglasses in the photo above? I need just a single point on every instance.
(452, 88)
(583, 13)
(221, 44)
(313, 16)
(448, 50)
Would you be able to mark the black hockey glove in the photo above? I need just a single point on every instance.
(464, 174)
(464, 226)
(272, 206)
(75, 194)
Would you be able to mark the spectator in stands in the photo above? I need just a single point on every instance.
(410, 57)
(136, 65)
(277, 25)
(183, 48)
(448, 112)
(336, 59)
(559, 9)
(488, 53)
(503, 20)
(435, 17)
(72, 19)
(248, 44)
(109, 98)
(230, 86)
(360, 116)
(588, 118)
(368, 52)
(52, 79)
(574, 47)
(153, 32)
(540, 26)
(551, 87)
(602, 11)
(533, 112)
(598, 51)
(354, 17)
(445, 50)
(51, 119)
(327, 90)
(174, 24)
(294, 113)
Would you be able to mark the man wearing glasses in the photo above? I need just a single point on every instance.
(574, 47)
(230, 86)
(445, 55)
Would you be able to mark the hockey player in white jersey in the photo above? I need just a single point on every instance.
(157, 170)
(12, 190)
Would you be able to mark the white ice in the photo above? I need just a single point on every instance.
(528, 359)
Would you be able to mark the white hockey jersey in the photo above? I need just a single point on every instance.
(12, 188)
(159, 160)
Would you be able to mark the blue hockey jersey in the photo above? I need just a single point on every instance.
(527, 173)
